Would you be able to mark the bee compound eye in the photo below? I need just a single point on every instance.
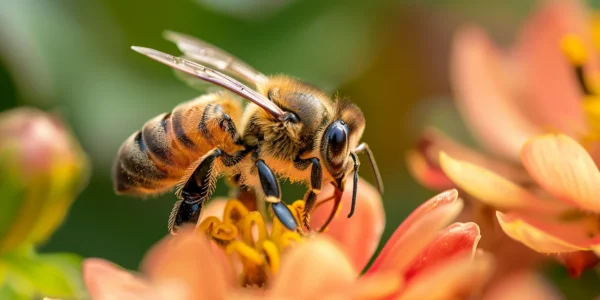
(337, 138)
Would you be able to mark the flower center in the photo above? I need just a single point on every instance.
(243, 235)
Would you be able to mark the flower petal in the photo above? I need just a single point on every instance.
(104, 280)
(418, 230)
(564, 168)
(358, 236)
(458, 278)
(485, 97)
(523, 285)
(495, 190)
(373, 286)
(577, 262)
(456, 239)
(543, 237)
(188, 260)
(553, 94)
(312, 269)
(424, 161)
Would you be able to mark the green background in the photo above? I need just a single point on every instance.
(390, 57)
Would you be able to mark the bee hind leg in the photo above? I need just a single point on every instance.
(198, 186)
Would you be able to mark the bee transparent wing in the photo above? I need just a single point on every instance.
(204, 53)
(215, 77)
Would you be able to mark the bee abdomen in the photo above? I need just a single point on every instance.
(135, 171)
(154, 159)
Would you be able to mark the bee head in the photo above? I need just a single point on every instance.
(341, 137)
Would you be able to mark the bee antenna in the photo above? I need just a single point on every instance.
(355, 181)
(365, 148)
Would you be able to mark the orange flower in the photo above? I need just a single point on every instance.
(423, 252)
(565, 222)
(548, 81)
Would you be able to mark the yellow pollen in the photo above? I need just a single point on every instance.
(244, 236)
(574, 49)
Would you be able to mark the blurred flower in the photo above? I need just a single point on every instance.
(523, 285)
(42, 169)
(547, 82)
(566, 221)
(421, 253)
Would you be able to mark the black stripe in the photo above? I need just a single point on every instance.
(155, 138)
(202, 125)
(180, 131)
(140, 142)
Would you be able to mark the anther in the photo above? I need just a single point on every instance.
(574, 48)
(234, 212)
(253, 218)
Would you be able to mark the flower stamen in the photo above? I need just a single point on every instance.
(573, 47)
(244, 235)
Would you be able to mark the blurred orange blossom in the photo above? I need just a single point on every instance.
(547, 82)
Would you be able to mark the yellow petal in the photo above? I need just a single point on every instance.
(564, 168)
(533, 237)
(496, 190)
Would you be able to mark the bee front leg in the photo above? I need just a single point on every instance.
(316, 182)
(199, 186)
(270, 188)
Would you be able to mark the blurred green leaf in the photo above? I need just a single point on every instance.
(52, 275)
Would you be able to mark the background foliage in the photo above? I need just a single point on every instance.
(390, 57)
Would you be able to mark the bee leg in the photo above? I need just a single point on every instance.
(316, 182)
(270, 188)
(199, 187)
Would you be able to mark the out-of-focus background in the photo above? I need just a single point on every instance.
(390, 57)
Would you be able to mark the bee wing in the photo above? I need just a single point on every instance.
(204, 53)
(215, 77)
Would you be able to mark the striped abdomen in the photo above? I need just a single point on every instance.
(155, 158)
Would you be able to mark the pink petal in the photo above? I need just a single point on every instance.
(104, 280)
(374, 286)
(495, 190)
(312, 269)
(577, 262)
(418, 230)
(546, 237)
(485, 97)
(188, 260)
(523, 285)
(459, 278)
(358, 236)
(563, 167)
(456, 239)
(553, 95)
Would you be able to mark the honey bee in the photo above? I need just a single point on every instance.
(289, 130)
